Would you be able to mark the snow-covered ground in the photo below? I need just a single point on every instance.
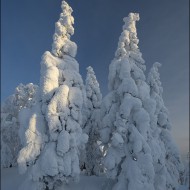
(182, 187)
(11, 179)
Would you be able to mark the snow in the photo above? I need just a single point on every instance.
(63, 30)
(15, 113)
(129, 104)
(48, 158)
(117, 140)
(34, 139)
(75, 98)
(128, 86)
(183, 187)
(63, 143)
(85, 183)
(154, 79)
(24, 117)
(50, 77)
(65, 165)
(12, 174)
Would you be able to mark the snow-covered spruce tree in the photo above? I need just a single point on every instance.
(92, 154)
(168, 165)
(10, 142)
(56, 142)
(23, 98)
(125, 122)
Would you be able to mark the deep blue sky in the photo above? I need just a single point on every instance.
(27, 27)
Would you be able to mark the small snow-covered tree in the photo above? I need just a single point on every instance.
(23, 98)
(54, 136)
(10, 142)
(92, 154)
(93, 97)
(125, 122)
(167, 161)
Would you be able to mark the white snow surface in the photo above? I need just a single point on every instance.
(85, 183)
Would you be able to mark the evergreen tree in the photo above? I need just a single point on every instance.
(11, 144)
(125, 128)
(94, 97)
(168, 165)
(57, 137)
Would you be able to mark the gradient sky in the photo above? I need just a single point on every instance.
(27, 27)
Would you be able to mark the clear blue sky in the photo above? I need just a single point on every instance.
(27, 27)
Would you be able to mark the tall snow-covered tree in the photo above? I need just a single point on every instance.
(54, 136)
(167, 161)
(23, 97)
(92, 157)
(125, 127)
